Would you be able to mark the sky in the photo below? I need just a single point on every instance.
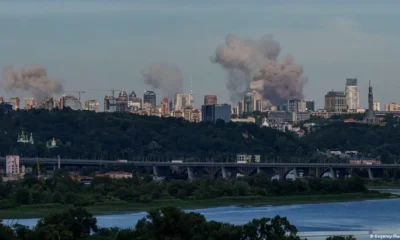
(100, 44)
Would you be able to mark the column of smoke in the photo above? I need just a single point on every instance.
(164, 76)
(31, 79)
(253, 66)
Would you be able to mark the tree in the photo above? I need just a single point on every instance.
(267, 228)
(22, 196)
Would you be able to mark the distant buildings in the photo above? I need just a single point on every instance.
(310, 105)
(24, 138)
(29, 103)
(335, 101)
(134, 102)
(370, 117)
(392, 107)
(71, 102)
(121, 103)
(352, 94)
(210, 100)
(12, 165)
(297, 105)
(214, 112)
(15, 102)
(182, 100)
(92, 105)
(377, 106)
(150, 98)
(48, 103)
(110, 103)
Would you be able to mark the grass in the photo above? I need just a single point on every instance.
(38, 211)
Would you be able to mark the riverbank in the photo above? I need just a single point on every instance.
(38, 211)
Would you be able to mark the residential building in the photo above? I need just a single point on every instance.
(302, 116)
(335, 101)
(377, 106)
(392, 107)
(1, 100)
(282, 116)
(164, 107)
(92, 105)
(15, 102)
(110, 103)
(210, 100)
(134, 102)
(48, 103)
(296, 105)
(150, 97)
(182, 100)
(29, 103)
(71, 102)
(352, 94)
(248, 158)
(310, 105)
(121, 103)
(214, 112)
(12, 165)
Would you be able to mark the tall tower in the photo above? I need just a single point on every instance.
(370, 117)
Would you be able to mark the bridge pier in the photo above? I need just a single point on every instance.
(370, 174)
(259, 170)
(224, 173)
(155, 171)
(295, 173)
(190, 173)
(333, 173)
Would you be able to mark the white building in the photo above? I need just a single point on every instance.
(183, 100)
(12, 165)
(377, 106)
(352, 94)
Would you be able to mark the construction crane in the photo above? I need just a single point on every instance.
(79, 93)
(105, 90)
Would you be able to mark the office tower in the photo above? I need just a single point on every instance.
(248, 103)
(210, 100)
(14, 101)
(296, 105)
(377, 106)
(352, 94)
(150, 98)
(370, 117)
(310, 105)
(214, 112)
(92, 105)
(182, 100)
(335, 101)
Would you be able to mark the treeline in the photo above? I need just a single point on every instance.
(90, 135)
(161, 224)
(61, 189)
(369, 140)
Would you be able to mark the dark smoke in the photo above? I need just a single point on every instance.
(252, 66)
(164, 76)
(31, 79)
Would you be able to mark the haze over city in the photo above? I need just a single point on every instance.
(103, 44)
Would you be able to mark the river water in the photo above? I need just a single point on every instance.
(314, 221)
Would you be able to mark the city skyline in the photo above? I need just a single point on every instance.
(101, 52)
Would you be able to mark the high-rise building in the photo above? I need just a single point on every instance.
(210, 100)
(377, 106)
(134, 102)
(122, 102)
(150, 98)
(110, 103)
(214, 112)
(335, 101)
(71, 102)
(258, 105)
(370, 117)
(15, 103)
(165, 107)
(248, 103)
(352, 94)
(48, 103)
(12, 165)
(1, 100)
(29, 103)
(297, 105)
(392, 107)
(182, 100)
(92, 105)
(310, 105)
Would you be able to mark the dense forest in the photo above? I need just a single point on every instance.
(90, 135)
(161, 224)
(62, 190)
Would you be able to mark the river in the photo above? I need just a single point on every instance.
(314, 221)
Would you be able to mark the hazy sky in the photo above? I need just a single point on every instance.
(105, 44)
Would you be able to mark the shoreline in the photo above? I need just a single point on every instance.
(111, 208)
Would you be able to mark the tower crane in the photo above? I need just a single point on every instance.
(105, 90)
(79, 93)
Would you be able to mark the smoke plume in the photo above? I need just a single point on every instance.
(164, 76)
(253, 66)
(31, 79)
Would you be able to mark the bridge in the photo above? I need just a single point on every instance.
(226, 169)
